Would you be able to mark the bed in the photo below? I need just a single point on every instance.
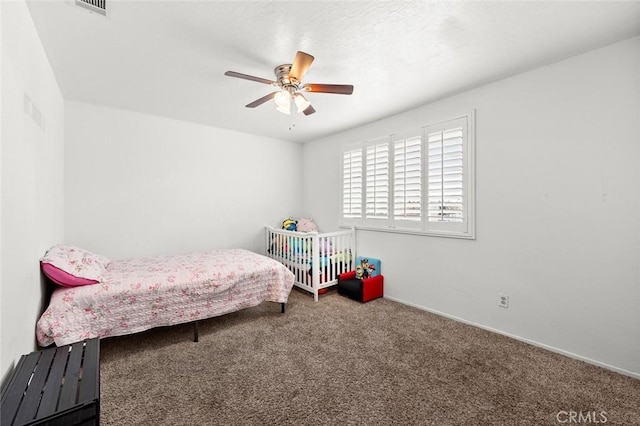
(315, 259)
(98, 297)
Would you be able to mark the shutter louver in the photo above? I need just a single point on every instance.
(377, 189)
(407, 179)
(352, 184)
(445, 168)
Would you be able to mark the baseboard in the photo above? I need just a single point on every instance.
(522, 339)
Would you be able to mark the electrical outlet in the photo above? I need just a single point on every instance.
(503, 300)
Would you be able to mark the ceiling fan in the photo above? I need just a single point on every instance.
(289, 97)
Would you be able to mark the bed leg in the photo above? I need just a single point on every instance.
(195, 331)
(282, 308)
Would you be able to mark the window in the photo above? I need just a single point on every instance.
(420, 182)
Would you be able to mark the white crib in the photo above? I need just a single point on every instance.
(316, 259)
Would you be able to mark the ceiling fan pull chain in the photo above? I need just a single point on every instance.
(292, 113)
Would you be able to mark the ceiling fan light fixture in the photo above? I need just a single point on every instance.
(284, 110)
(283, 102)
(301, 102)
(282, 99)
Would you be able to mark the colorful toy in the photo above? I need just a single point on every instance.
(290, 224)
(367, 268)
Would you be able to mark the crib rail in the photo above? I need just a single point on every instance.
(315, 259)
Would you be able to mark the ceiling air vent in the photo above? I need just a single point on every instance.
(97, 6)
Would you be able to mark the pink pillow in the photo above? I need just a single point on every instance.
(76, 262)
(62, 278)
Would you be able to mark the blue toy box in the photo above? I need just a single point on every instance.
(367, 267)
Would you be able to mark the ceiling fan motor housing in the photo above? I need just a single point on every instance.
(283, 79)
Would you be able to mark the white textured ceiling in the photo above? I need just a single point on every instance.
(168, 58)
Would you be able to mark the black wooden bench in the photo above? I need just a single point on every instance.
(55, 386)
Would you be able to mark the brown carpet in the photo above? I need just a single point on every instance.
(338, 362)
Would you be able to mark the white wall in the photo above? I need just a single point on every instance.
(3, 368)
(31, 178)
(558, 209)
(138, 184)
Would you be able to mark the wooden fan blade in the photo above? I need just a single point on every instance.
(301, 64)
(261, 100)
(249, 77)
(340, 89)
(309, 110)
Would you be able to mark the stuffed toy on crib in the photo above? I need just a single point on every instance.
(290, 224)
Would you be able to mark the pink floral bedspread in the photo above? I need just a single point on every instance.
(139, 294)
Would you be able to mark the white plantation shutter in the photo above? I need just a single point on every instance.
(421, 181)
(377, 189)
(352, 184)
(445, 202)
(407, 179)
(449, 177)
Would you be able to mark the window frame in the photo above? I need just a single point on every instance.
(465, 229)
